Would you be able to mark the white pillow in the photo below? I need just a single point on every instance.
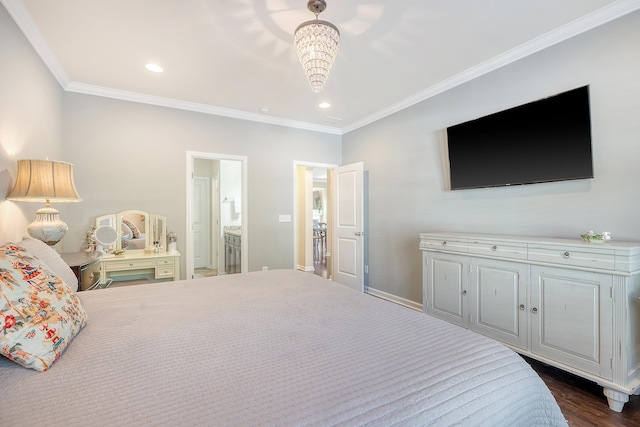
(51, 259)
(127, 234)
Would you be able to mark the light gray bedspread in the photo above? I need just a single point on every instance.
(271, 348)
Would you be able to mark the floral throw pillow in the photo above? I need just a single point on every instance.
(39, 313)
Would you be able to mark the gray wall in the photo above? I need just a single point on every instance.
(406, 160)
(133, 156)
(30, 122)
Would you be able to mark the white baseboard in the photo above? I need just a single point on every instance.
(306, 269)
(395, 299)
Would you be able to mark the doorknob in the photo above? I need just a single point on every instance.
(359, 233)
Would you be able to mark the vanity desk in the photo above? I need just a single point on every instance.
(134, 244)
(137, 264)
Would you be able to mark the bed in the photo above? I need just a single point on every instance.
(270, 348)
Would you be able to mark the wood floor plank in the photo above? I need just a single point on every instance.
(582, 401)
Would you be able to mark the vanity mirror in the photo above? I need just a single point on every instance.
(136, 230)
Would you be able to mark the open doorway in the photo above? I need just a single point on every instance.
(320, 219)
(313, 218)
(345, 237)
(216, 218)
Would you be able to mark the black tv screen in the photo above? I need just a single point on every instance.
(545, 140)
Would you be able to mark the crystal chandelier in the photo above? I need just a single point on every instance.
(317, 43)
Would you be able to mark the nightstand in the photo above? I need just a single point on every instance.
(86, 267)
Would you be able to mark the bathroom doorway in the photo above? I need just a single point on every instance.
(216, 196)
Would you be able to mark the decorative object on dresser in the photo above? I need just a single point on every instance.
(564, 302)
(144, 237)
(105, 236)
(591, 237)
(45, 181)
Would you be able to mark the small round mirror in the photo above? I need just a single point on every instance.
(105, 236)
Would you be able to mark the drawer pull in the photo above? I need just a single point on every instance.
(444, 243)
(534, 310)
(565, 255)
(494, 248)
(522, 307)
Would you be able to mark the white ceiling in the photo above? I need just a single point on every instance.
(236, 57)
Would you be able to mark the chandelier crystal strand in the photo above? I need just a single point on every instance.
(317, 44)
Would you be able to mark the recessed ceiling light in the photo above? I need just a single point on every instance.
(154, 67)
(324, 105)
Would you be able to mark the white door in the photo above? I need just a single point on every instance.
(201, 222)
(348, 260)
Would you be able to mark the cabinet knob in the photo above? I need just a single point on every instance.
(565, 255)
(464, 292)
(494, 248)
(522, 307)
(444, 243)
(534, 310)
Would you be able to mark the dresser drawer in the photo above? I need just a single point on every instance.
(134, 264)
(449, 245)
(578, 257)
(499, 249)
(164, 271)
(164, 261)
(89, 276)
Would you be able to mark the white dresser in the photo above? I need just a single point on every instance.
(569, 303)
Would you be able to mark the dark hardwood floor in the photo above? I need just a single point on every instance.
(320, 261)
(582, 401)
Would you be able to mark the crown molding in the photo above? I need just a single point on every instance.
(615, 10)
(195, 107)
(581, 25)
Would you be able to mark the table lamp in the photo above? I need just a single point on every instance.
(45, 181)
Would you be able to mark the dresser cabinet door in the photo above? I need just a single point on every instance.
(571, 318)
(498, 300)
(446, 291)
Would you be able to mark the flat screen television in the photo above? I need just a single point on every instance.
(542, 141)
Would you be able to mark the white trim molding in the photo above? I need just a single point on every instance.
(393, 298)
(20, 14)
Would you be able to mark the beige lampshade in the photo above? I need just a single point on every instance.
(45, 181)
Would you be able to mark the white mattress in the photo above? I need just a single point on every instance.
(271, 348)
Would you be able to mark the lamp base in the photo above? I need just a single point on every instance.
(48, 226)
